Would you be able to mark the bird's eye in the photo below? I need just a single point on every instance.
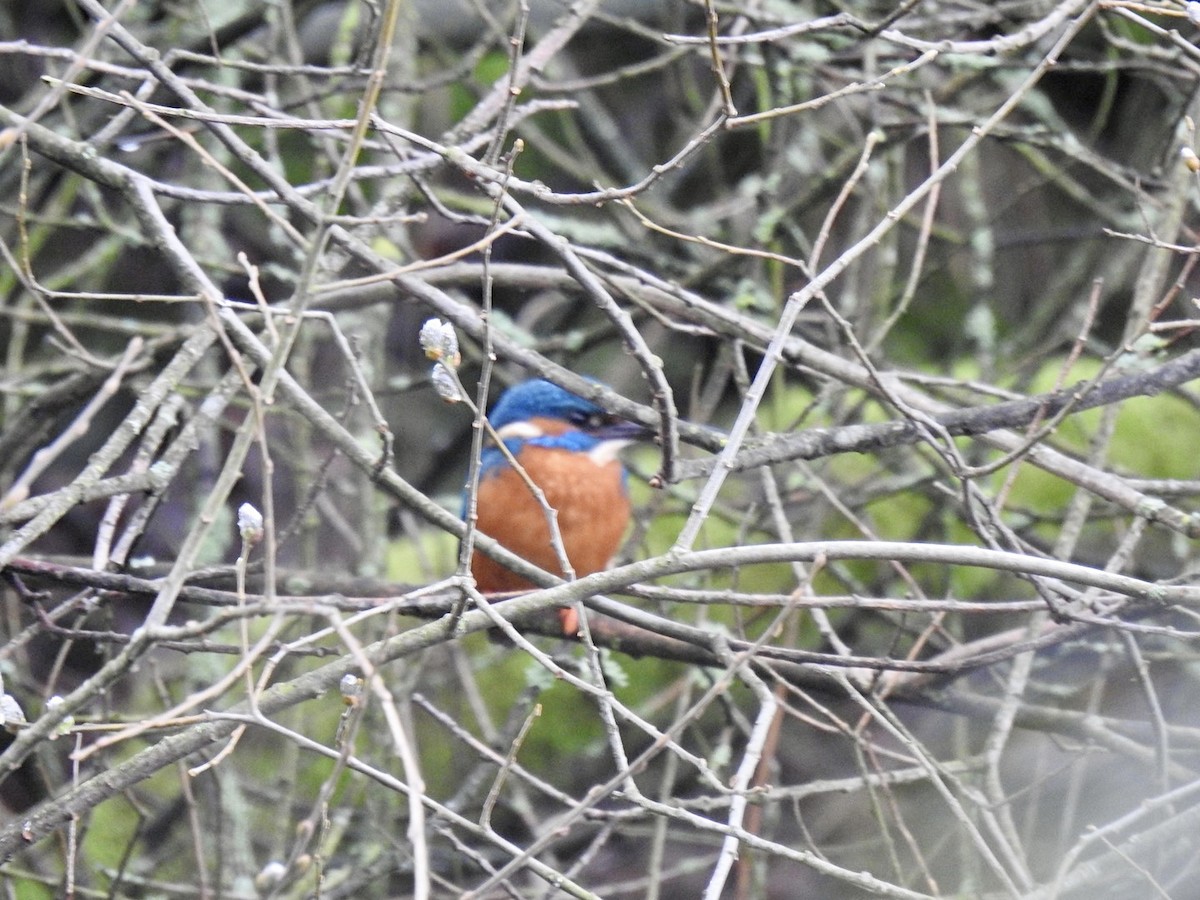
(586, 421)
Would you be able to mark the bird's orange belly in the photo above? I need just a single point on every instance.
(592, 509)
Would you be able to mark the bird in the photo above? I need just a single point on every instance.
(568, 447)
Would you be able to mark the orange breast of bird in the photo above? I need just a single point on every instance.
(589, 497)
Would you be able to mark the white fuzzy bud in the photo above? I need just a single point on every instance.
(440, 342)
(250, 523)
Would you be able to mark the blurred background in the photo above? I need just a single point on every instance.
(934, 207)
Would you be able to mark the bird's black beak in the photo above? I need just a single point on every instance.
(620, 430)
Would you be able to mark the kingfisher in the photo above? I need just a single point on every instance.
(568, 447)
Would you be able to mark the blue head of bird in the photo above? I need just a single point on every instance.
(542, 414)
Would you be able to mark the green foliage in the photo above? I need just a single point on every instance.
(569, 723)
(110, 828)
(491, 67)
(1153, 438)
(421, 558)
(26, 888)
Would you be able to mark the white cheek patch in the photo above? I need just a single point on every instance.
(606, 451)
(519, 431)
